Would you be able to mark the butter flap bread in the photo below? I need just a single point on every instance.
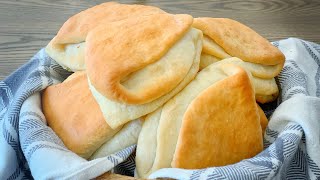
(146, 62)
(225, 38)
(221, 126)
(68, 46)
(239, 40)
(116, 50)
(169, 119)
(74, 115)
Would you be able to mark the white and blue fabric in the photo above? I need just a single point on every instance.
(30, 149)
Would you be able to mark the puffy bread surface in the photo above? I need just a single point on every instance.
(118, 113)
(68, 46)
(239, 40)
(221, 125)
(118, 49)
(74, 115)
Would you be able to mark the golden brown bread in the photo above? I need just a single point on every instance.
(225, 37)
(153, 83)
(76, 28)
(117, 49)
(221, 126)
(239, 40)
(74, 115)
(68, 46)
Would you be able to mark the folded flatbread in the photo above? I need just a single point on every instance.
(146, 61)
(68, 46)
(221, 126)
(74, 115)
(225, 38)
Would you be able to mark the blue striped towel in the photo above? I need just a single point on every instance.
(30, 149)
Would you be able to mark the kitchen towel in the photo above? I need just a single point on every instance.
(29, 148)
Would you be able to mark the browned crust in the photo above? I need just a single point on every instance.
(239, 40)
(117, 49)
(76, 28)
(221, 126)
(74, 115)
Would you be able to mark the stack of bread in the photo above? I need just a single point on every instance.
(184, 89)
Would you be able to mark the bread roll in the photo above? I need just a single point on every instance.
(74, 115)
(68, 46)
(146, 62)
(159, 144)
(224, 38)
